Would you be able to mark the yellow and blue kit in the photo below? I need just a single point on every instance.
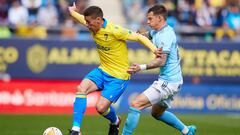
(112, 49)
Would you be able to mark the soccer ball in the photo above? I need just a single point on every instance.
(52, 131)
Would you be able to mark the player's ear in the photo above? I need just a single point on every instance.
(160, 17)
(98, 18)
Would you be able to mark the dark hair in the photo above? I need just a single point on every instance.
(159, 10)
(93, 11)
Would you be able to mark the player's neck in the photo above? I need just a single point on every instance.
(99, 27)
(161, 25)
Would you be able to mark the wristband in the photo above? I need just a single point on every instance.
(143, 66)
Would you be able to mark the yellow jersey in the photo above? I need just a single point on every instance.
(112, 49)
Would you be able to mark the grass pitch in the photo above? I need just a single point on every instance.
(96, 125)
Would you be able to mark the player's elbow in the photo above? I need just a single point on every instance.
(142, 38)
(162, 63)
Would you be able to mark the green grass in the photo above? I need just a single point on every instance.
(96, 125)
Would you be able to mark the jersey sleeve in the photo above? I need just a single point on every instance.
(143, 40)
(78, 17)
(121, 33)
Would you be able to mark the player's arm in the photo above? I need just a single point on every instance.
(144, 33)
(76, 15)
(155, 63)
(145, 41)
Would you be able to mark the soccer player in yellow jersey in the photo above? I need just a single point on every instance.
(111, 77)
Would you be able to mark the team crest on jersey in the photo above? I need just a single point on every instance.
(161, 44)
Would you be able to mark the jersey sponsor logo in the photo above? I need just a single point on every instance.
(103, 47)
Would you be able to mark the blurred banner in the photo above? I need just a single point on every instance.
(41, 97)
(204, 98)
(56, 97)
(65, 59)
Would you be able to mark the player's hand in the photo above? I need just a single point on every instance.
(134, 69)
(158, 52)
(72, 8)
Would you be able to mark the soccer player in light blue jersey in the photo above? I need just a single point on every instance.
(161, 93)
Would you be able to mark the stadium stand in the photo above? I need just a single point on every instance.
(193, 19)
(112, 9)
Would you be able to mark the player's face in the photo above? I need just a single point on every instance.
(93, 23)
(154, 21)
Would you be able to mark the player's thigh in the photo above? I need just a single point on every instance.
(140, 102)
(93, 81)
(161, 90)
(158, 110)
(86, 86)
(152, 94)
(103, 104)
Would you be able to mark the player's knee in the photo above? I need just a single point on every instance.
(81, 90)
(101, 109)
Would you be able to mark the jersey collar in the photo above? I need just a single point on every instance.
(163, 27)
(104, 23)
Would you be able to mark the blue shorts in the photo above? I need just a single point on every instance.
(111, 87)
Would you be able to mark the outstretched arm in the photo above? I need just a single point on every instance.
(157, 62)
(76, 15)
(146, 42)
(144, 33)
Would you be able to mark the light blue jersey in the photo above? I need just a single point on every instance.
(166, 38)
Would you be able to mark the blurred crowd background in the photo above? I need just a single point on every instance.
(209, 20)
